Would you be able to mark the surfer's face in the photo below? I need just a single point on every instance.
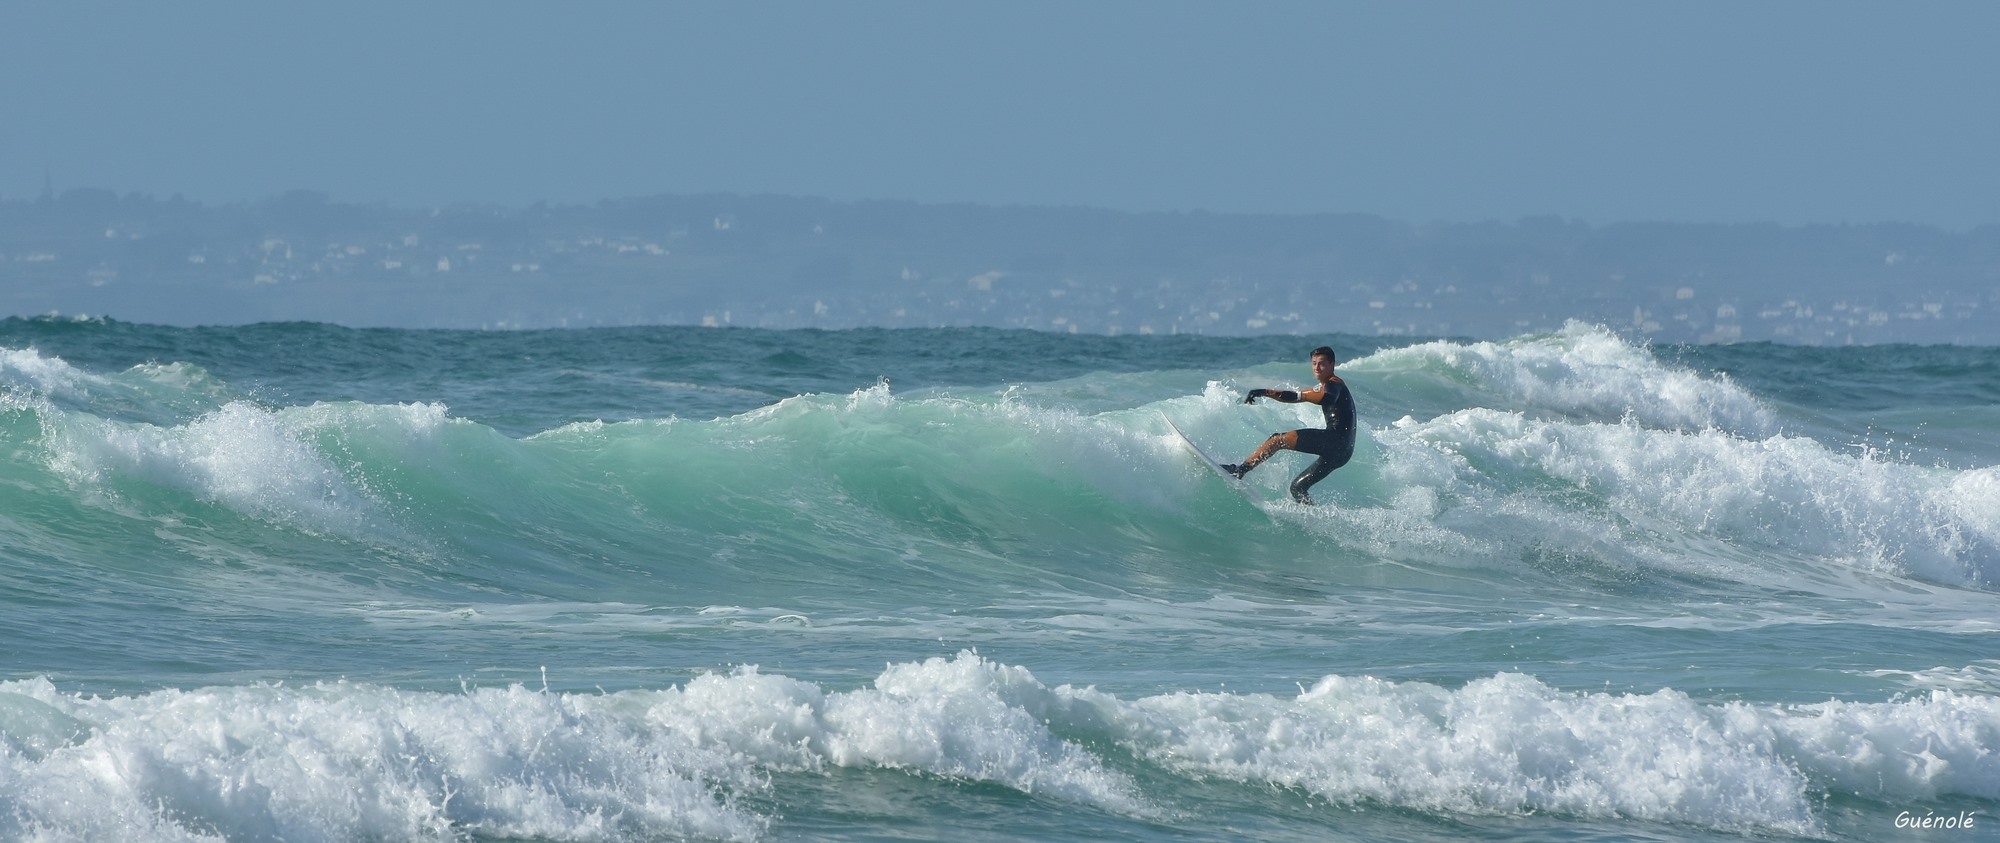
(1322, 367)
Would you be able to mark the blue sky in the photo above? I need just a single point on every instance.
(1783, 111)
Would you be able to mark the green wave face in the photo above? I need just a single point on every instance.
(1575, 447)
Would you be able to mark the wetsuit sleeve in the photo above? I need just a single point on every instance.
(1284, 396)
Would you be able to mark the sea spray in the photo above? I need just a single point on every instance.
(1585, 372)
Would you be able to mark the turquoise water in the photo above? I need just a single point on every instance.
(302, 582)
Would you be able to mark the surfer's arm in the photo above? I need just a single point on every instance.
(1284, 396)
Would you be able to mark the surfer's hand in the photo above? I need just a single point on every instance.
(1253, 395)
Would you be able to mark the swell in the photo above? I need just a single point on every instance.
(1604, 461)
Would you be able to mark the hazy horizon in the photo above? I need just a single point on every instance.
(331, 198)
(726, 259)
(1788, 112)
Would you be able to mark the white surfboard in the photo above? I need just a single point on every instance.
(1237, 482)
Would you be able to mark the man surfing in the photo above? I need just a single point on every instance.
(1334, 445)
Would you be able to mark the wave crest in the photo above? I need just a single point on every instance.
(336, 761)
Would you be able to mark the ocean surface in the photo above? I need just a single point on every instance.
(306, 583)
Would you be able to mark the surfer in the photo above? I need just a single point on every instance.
(1334, 445)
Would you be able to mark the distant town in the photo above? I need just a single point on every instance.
(788, 262)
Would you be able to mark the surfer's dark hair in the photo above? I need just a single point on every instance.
(1325, 351)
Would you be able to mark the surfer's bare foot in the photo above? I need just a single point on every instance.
(1236, 471)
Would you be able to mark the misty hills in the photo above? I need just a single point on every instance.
(797, 262)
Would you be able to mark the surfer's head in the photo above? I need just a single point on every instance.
(1323, 360)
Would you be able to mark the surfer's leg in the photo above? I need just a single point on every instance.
(1285, 441)
(1302, 484)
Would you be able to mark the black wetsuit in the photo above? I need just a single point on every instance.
(1334, 444)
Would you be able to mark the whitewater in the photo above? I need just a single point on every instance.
(308, 583)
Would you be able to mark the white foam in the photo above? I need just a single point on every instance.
(242, 456)
(1974, 497)
(343, 762)
(1980, 677)
(1937, 745)
(340, 761)
(964, 718)
(971, 718)
(27, 373)
(1780, 492)
(1589, 371)
(261, 462)
(1510, 744)
(151, 392)
(1506, 744)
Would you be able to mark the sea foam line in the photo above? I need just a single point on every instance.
(338, 760)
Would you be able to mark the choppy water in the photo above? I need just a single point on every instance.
(307, 583)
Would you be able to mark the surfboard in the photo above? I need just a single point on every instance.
(1234, 481)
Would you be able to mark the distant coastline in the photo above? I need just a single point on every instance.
(791, 262)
